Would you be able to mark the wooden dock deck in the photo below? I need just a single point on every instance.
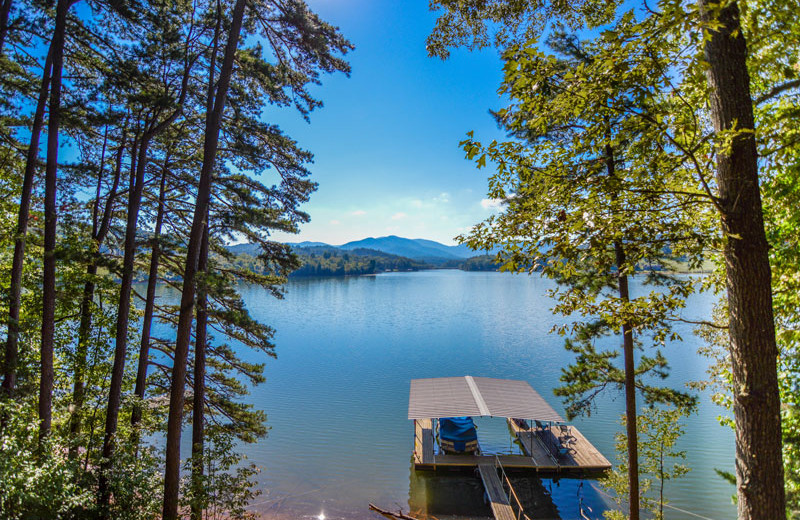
(424, 454)
(541, 448)
(498, 499)
(566, 450)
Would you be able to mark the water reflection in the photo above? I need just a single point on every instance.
(459, 495)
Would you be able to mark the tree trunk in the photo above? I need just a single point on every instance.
(759, 467)
(198, 403)
(15, 289)
(149, 307)
(99, 231)
(630, 368)
(5, 10)
(175, 420)
(123, 314)
(630, 393)
(50, 216)
(152, 129)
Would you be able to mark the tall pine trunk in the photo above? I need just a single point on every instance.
(149, 306)
(184, 330)
(630, 368)
(630, 392)
(50, 215)
(15, 289)
(135, 188)
(756, 402)
(198, 403)
(5, 10)
(153, 128)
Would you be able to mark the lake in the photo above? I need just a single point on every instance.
(337, 395)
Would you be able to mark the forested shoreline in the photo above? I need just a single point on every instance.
(133, 149)
(326, 261)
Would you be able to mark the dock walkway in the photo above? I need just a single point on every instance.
(494, 490)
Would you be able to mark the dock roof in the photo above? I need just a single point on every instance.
(475, 397)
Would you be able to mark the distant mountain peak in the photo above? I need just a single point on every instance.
(415, 248)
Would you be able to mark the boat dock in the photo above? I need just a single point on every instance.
(580, 457)
(548, 445)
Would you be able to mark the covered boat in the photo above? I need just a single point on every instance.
(458, 435)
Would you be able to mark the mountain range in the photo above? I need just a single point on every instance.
(414, 248)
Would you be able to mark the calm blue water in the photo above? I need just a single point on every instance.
(337, 395)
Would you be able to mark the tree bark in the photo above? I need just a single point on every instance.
(630, 368)
(50, 217)
(5, 10)
(123, 313)
(759, 467)
(152, 129)
(630, 393)
(15, 289)
(149, 306)
(177, 389)
(198, 403)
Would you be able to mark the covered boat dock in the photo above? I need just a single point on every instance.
(548, 444)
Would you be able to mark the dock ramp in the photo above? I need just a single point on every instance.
(493, 483)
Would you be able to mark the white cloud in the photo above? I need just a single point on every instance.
(416, 203)
(443, 197)
(358, 212)
(399, 215)
(492, 204)
(334, 222)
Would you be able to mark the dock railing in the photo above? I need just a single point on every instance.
(513, 499)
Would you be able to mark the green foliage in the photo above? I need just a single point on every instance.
(476, 24)
(36, 481)
(645, 73)
(329, 261)
(658, 430)
(333, 262)
(584, 165)
(228, 481)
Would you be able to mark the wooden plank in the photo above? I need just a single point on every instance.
(587, 454)
(532, 446)
(494, 490)
(425, 436)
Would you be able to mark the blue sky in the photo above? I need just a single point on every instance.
(386, 141)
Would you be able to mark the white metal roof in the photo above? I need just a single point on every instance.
(477, 396)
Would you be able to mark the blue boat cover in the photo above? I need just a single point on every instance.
(457, 429)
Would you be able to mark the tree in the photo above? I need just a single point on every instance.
(15, 289)
(658, 430)
(773, 79)
(759, 468)
(583, 166)
(713, 46)
(50, 216)
(213, 121)
(168, 105)
(127, 103)
(291, 31)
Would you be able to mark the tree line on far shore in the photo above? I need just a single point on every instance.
(331, 261)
